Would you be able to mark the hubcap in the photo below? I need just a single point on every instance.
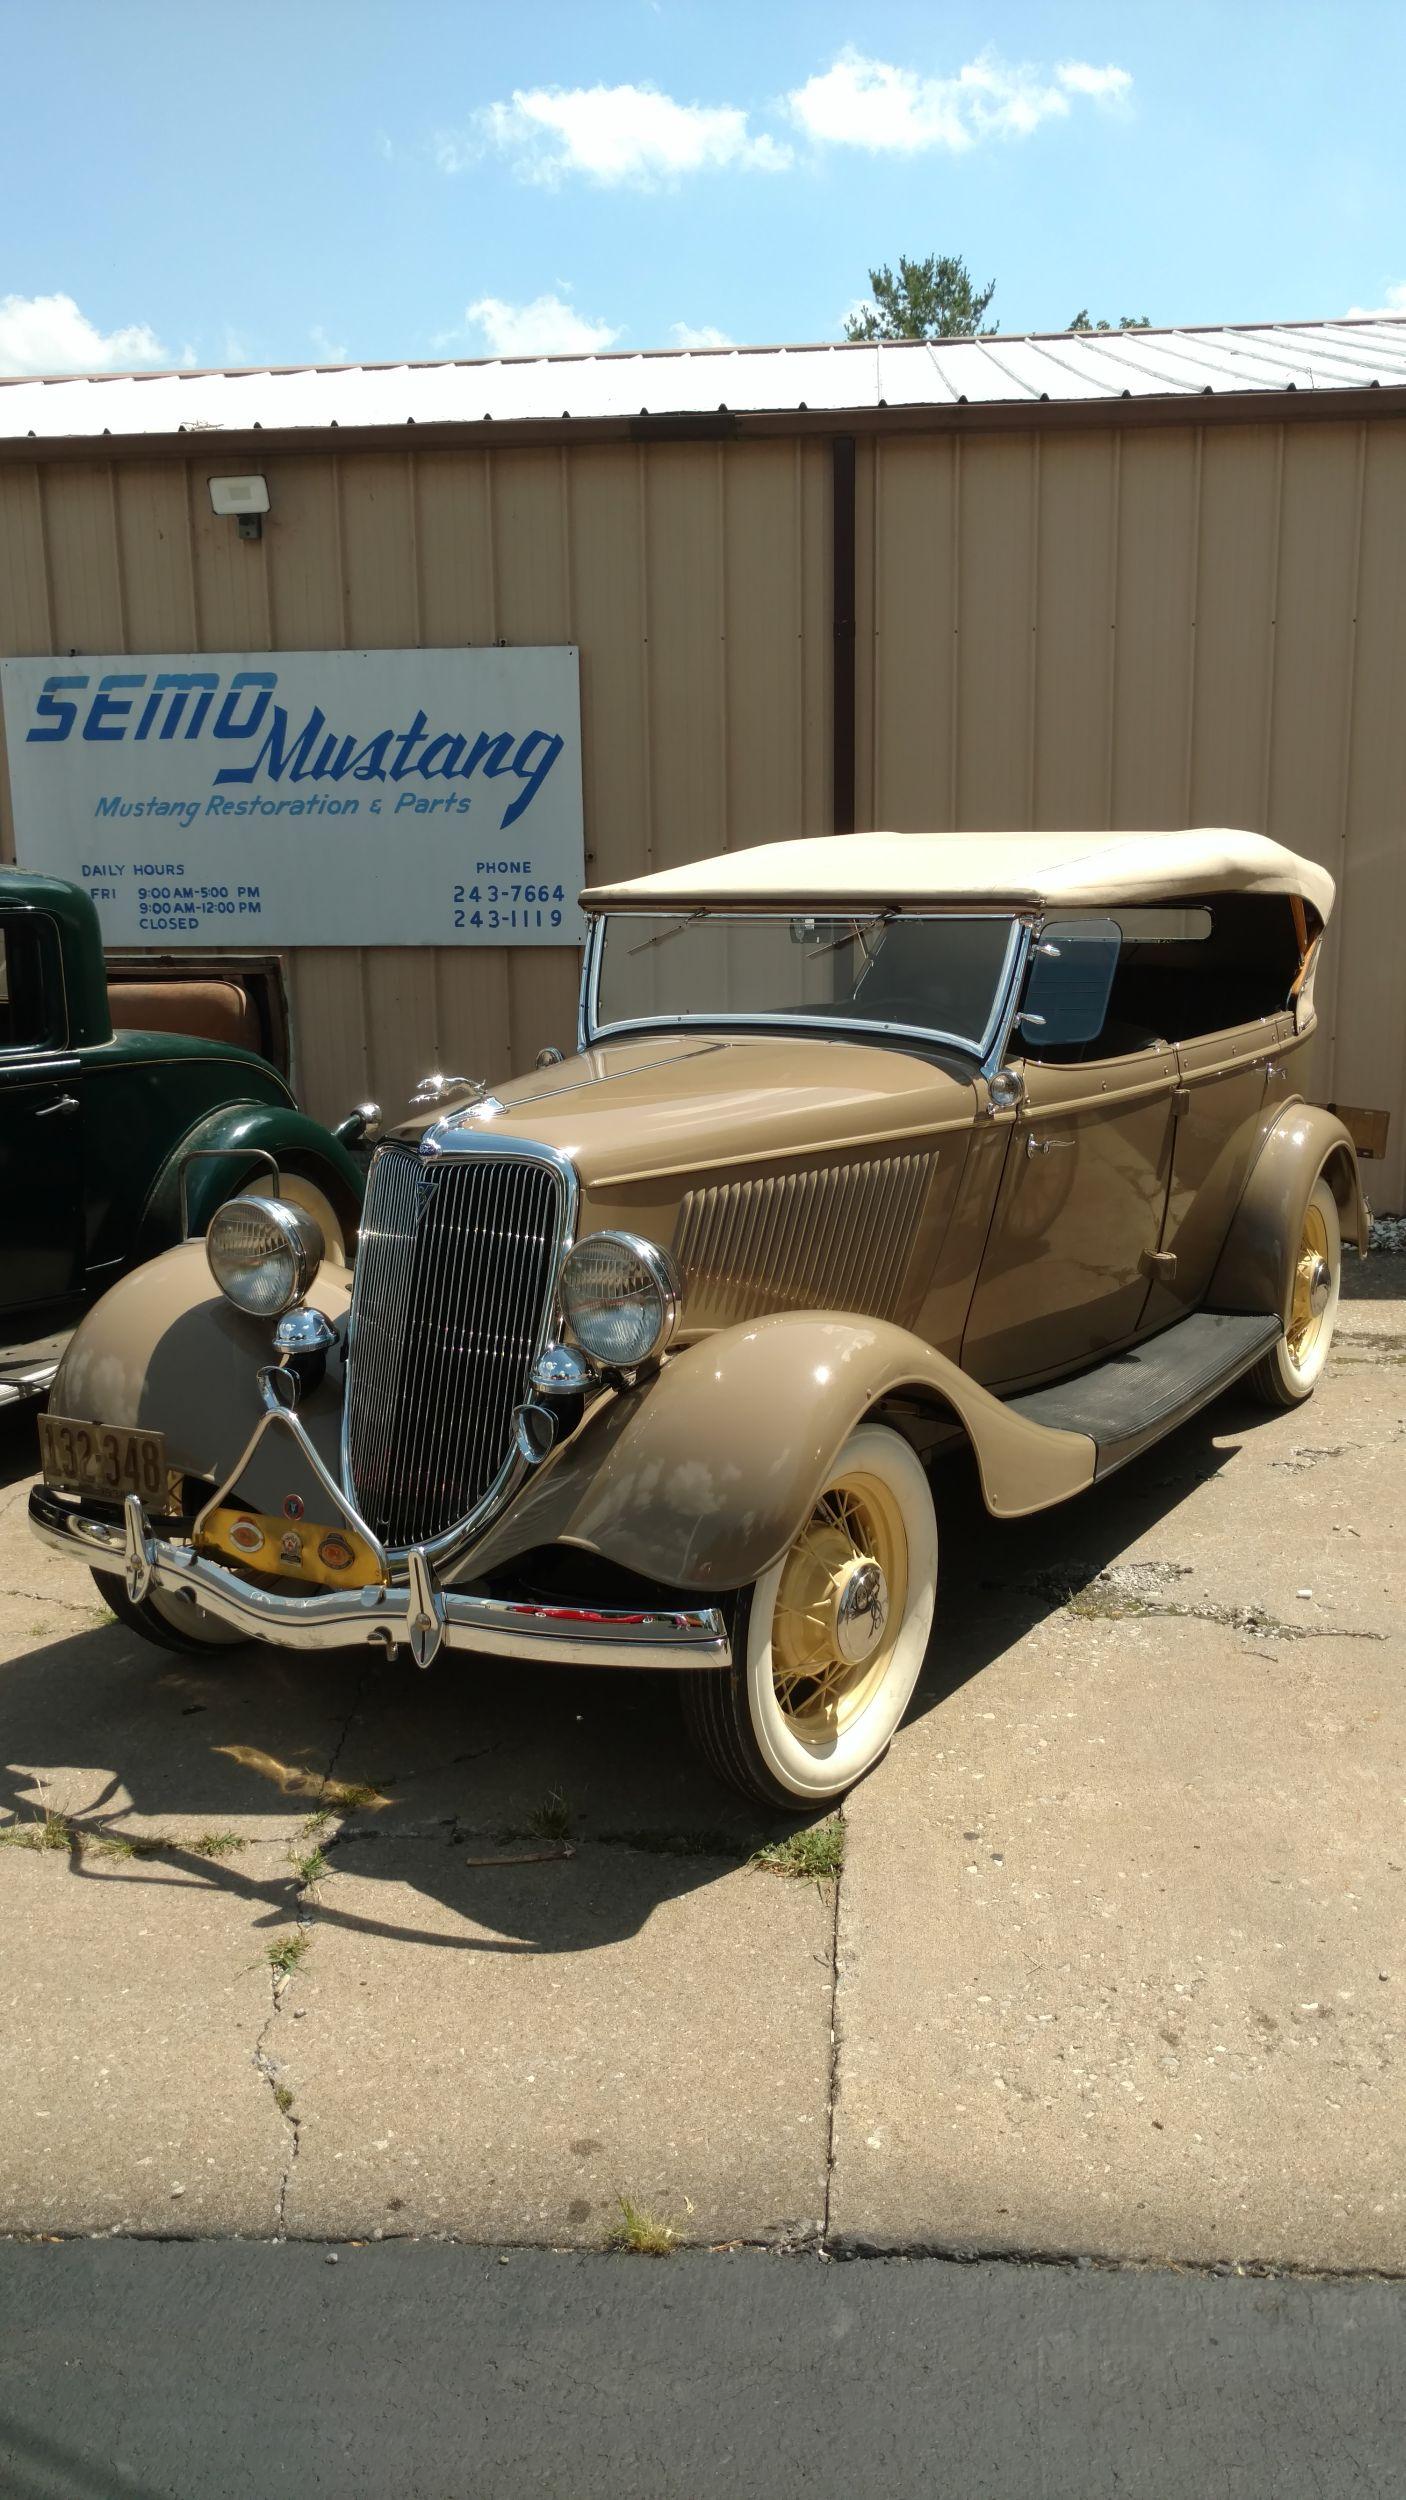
(838, 1606)
(1313, 1287)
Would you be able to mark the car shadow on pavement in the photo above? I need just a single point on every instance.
(547, 1811)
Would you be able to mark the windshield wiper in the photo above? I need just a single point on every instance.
(854, 936)
(660, 935)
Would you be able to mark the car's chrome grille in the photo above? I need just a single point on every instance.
(454, 1276)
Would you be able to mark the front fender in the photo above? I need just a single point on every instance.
(1255, 1271)
(703, 1476)
(165, 1350)
(276, 1128)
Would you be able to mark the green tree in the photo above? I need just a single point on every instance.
(1126, 321)
(929, 299)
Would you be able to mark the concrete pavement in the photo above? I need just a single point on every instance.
(1121, 1929)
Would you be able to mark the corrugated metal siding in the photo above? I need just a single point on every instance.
(1157, 626)
(693, 578)
(1181, 626)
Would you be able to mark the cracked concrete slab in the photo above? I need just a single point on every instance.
(1113, 1920)
(134, 1995)
(1123, 1918)
(501, 2052)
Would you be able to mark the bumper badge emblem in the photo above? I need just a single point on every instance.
(290, 1546)
(292, 1506)
(336, 1553)
(247, 1536)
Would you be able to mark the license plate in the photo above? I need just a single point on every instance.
(111, 1459)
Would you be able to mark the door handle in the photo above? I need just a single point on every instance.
(63, 1109)
(1044, 1145)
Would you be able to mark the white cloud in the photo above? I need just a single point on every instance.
(328, 351)
(547, 326)
(48, 334)
(863, 103)
(612, 135)
(684, 334)
(1108, 84)
(1395, 303)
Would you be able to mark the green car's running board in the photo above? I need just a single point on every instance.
(1132, 1399)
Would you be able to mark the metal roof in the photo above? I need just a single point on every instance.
(1092, 368)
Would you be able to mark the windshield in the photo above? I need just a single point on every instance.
(928, 974)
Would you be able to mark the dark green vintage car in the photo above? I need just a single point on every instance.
(115, 1144)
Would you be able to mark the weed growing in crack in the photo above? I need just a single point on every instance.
(283, 2097)
(815, 1853)
(639, 2234)
(48, 1831)
(117, 1845)
(552, 1819)
(311, 1869)
(286, 1952)
(317, 1823)
(218, 1844)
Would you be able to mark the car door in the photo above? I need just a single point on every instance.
(42, 1220)
(1078, 1218)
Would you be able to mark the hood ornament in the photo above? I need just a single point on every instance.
(436, 1093)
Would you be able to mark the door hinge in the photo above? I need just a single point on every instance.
(1181, 1101)
(1160, 1265)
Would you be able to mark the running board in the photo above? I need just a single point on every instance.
(1132, 1399)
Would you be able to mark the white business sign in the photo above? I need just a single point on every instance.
(306, 798)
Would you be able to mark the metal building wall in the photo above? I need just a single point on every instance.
(1148, 626)
(694, 578)
(1159, 626)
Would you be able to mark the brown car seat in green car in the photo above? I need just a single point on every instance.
(875, 1149)
(115, 1144)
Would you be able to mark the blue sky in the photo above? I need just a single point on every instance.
(293, 179)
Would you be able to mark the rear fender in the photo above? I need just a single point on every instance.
(1255, 1271)
(245, 1130)
(703, 1476)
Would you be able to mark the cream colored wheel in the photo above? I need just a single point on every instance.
(1289, 1372)
(829, 1642)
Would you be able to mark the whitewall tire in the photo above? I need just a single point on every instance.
(828, 1644)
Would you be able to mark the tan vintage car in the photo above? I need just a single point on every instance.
(871, 1147)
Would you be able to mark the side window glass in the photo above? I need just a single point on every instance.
(1069, 984)
(28, 1002)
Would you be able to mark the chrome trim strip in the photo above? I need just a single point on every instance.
(1023, 936)
(669, 1637)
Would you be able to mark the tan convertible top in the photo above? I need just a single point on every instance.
(1011, 870)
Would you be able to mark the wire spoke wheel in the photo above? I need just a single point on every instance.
(1290, 1371)
(838, 1606)
(828, 1643)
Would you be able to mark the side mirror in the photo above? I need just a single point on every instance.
(1069, 983)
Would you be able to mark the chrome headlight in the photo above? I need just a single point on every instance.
(263, 1254)
(620, 1296)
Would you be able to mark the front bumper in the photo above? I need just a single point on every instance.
(416, 1614)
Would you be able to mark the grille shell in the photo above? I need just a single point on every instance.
(454, 1291)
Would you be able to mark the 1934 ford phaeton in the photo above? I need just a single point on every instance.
(871, 1145)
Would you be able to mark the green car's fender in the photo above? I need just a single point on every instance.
(222, 1154)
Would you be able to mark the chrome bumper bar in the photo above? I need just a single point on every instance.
(416, 1615)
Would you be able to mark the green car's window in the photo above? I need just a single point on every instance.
(28, 983)
(940, 975)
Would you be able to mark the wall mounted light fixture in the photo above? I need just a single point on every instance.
(243, 499)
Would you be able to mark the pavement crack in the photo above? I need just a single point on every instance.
(832, 2079)
(1133, 1592)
